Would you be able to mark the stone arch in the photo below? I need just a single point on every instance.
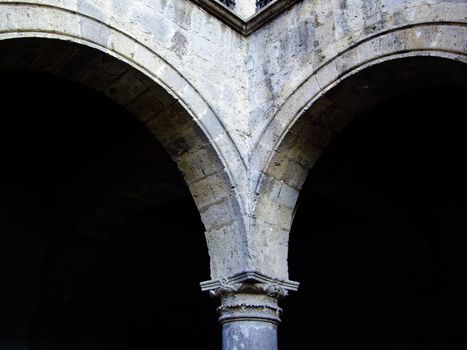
(120, 182)
(369, 202)
(112, 62)
(326, 101)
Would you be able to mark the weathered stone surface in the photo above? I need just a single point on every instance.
(249, 335)
(245, 117)
(244, 109)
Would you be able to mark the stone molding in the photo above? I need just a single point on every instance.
(249, 296)
(245, 26)
(250, 282)
(249, 307)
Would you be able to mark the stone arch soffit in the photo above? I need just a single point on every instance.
(309, 135)
(24, 20)
(444, 40)
(277, 194)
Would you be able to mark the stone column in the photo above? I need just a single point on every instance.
(249, 311)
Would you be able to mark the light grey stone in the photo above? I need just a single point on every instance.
(229, 100)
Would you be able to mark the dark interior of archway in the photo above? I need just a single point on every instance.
(65, 152)
(379, 238)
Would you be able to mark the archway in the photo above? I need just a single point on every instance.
(192, 140)
(302, 144)
(79, 171)
(377, 238)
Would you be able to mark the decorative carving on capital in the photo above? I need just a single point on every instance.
(249, 296)
(249, 283)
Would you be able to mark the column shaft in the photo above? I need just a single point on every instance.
(249, 335)
(249, 310)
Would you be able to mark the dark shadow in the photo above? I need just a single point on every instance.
(141, 294)
(378, 242)
(67, 151)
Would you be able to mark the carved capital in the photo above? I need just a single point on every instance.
(250, 283)
(249, 296)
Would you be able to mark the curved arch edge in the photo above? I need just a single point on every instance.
(276, 197)
(74, 26)
(232, 170)
(356, 58)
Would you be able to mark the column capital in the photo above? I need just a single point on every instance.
(249, 282)
(249, 296)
